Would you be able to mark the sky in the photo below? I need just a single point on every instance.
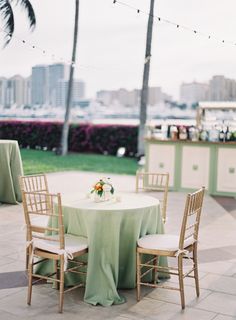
(111, 42)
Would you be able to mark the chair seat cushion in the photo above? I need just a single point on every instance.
(72, 244)
(163, 242)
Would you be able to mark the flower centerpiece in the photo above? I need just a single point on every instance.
(103, 190)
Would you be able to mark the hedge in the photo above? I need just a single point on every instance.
(88, 138)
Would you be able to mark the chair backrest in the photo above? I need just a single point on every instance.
(154, 182)
(191, 217)
(35, 183)
(36, 209)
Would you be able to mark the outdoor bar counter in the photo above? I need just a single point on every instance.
(192, 164)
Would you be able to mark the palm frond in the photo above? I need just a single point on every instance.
(7, 13)
(8, 17)
(30, 11)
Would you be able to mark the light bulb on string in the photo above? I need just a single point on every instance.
(177, 25)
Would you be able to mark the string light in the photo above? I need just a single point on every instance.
(177, 25)
(33, 46)
(147, 59)
(52, 55)
(159, 19)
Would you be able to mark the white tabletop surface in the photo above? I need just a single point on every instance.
(2, 141)
(122, 201)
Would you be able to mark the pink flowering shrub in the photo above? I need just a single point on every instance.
(88, 138)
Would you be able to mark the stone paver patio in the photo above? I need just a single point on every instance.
(217, 258)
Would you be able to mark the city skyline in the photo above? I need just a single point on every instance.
(48, 84)
(112, 57)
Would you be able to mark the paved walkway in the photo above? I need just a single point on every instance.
(217, 257)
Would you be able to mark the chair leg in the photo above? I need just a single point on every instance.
(26, 259)
(138, 270)
(195, 265)
(61, 293)
(154, 273)
(57, 274)
(181, 280)
(30, 280)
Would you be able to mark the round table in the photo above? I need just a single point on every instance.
(112, 228)
(10, 170)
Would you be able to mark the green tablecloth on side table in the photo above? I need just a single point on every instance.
(10, 170)
(112, 229)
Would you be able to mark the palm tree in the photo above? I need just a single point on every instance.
(65, 130)
(6, 11)
(144, 91)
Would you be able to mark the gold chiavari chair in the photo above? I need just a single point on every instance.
(33, 183)
(173, 246)
(50, 242)
(154, 182)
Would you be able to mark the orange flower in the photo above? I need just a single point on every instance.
(98, 186)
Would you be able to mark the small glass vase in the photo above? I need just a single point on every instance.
(101, 198)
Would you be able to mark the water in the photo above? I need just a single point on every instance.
(157, 115)
(108, 121)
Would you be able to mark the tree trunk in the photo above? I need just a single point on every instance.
(66, 124)
(144, 91)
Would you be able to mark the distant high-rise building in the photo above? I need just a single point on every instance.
(17, 92)
(191, 93)
(39, 85)
(78, 90)
(57, 72)
(27, 91)
(10, 99)
(62, 89)
(156, 96)
(3, 87)
(132, 98)
(222, 89)
(105, 97)
(47, 85)
(61, 92)
(128, 98)
(20, 87)
(218, 89)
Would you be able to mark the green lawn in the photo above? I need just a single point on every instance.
(35, 161)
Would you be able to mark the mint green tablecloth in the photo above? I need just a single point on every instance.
(10, 170)
(112, 229)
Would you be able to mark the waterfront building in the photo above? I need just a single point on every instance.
(222, 89)
(14, 91)
(78, 92)
(3, 88)
(9, 95)
(193, 92)
(131, 98)
(39, 85)
(157, 96)
(20, 90)
(56, 72)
